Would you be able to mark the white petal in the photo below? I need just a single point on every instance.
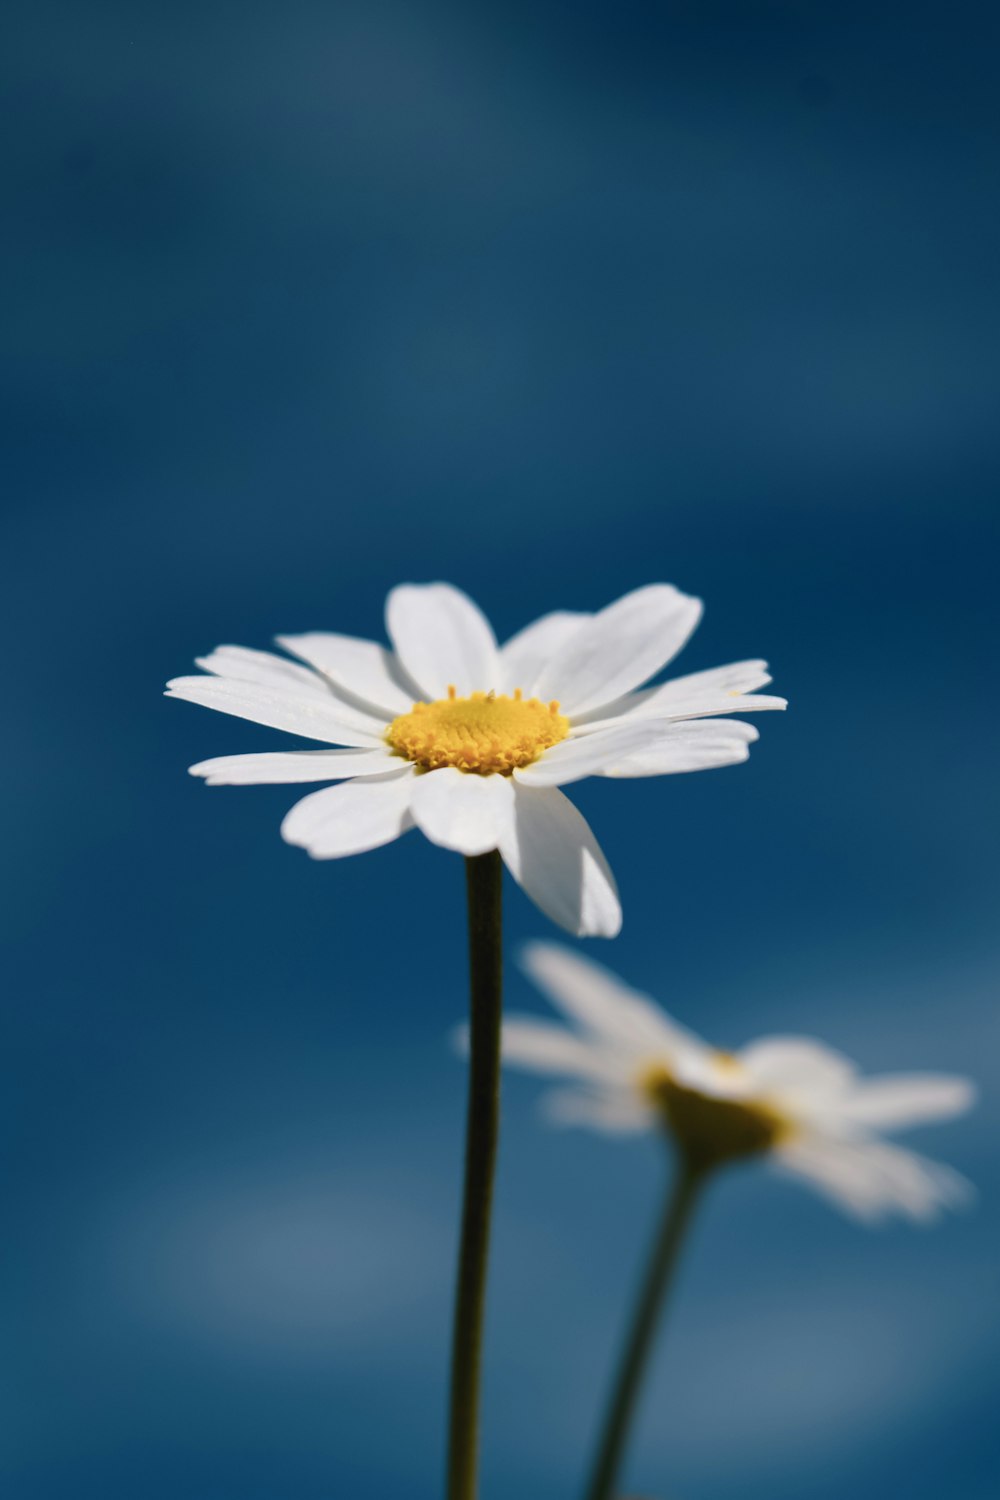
(872, 1179)
(462, 811)
(288, 766)
(314, 717)
(715, 1074)
(349, 819)
(909, 1099)
(732, 680)
(703, 708)
(840, 1177)
(590, 755)
(609, 1009)
(364, 670)
(540, 1048)
(676, 710)
(617, 1112)
(797, 1065)
(619, 648)
(241, 664)
(716, 685)
(554, 857)
(695, 745)
(442, 639)
(525, 654)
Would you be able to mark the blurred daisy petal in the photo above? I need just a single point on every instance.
(541, 1048)
(874, 1179)
(598, 1000)
(777, 1062)
(612, 1114)
(910, 1099)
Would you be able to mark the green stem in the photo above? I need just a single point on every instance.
(679, 1203)
(483, 882)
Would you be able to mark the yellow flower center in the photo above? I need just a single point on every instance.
(487, 733)
(711, 1130)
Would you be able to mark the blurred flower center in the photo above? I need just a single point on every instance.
(710, 1129)
(486, 733)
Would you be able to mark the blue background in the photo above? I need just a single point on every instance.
(549, 300)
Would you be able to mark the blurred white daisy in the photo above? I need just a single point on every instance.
(471, 741)
(793, 1099)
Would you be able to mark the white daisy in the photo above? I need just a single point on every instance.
(471, 741)
(792, 1098)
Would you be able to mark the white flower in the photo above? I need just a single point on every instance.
(792, 1098)
(471, 741)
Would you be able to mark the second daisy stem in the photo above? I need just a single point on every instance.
(484, 874)
(680, 1202)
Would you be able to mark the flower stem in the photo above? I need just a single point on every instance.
(483, 883)
(678, 1205)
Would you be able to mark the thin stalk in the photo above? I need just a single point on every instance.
(483, 883)
(656, 1284)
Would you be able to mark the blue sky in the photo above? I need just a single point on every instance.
(549, 301)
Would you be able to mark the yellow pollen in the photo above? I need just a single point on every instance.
(710, 1129)
(485, 734)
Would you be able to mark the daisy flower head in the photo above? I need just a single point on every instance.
(471, 742)
(792, 1099)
